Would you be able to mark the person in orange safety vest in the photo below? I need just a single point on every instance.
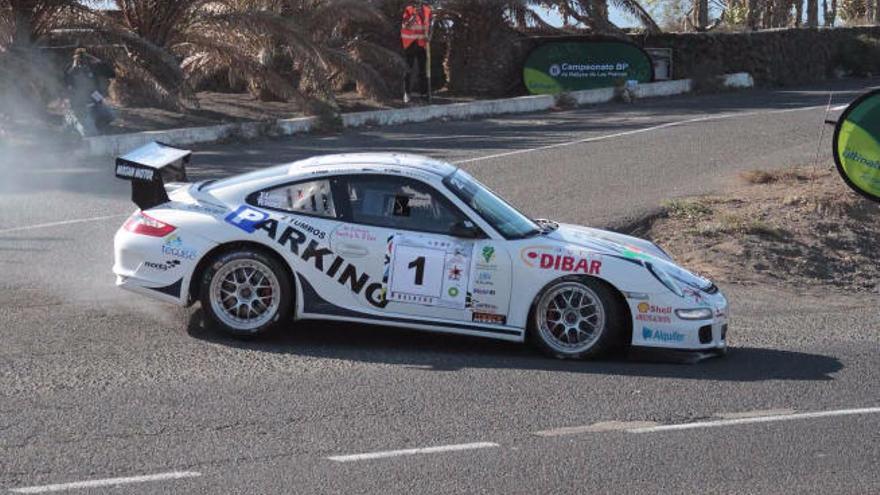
(415, 30)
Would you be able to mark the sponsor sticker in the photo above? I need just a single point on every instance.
(488, 254)
(247, 218)
(559, 259)
(484, 278)
(174, 246)
(271, 200)
(163, 267)
(355, 233)
(137, 173)
(202, 208)
(489, 318)
(320, 234)
(662, 335)
(654, 314)
(857, 145)
(693, 294)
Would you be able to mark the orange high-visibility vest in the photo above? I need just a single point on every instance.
(415, 26)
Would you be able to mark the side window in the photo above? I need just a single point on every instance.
(310, 198)
(399, 204)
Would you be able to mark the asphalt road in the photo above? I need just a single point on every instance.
(98, 384)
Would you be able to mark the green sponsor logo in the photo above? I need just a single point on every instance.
(488, 253)
(560, 66)
(453, 291)
(857, 145)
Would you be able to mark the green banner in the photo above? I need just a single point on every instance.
(558, 66)
(857, 145)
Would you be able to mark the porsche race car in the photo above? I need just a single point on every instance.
(399, 240)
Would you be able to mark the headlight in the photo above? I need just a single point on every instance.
(665, 279)
(694, 314)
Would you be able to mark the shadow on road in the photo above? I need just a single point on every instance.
(440, 352)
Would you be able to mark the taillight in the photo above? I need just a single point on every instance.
(141, 223)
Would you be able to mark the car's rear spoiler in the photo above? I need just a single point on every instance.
(149, 168)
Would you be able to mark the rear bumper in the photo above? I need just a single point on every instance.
(172, 293)
(159, 268)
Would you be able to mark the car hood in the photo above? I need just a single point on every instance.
(627, 247)
(607, 242)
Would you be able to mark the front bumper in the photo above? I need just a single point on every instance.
(656, 325)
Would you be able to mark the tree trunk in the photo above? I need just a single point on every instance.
(831, 16)
(798, 13)
(701, 14)
(481, 53)
(812, 13)
(752, 19)
(21, 34)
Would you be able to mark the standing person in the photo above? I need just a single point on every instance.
(85, 80)
(415, 31)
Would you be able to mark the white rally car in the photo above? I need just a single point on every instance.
(399, 240)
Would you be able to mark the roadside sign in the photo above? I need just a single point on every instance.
(857, 145)
(572, 65)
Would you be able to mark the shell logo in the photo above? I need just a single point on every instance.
(644, 307)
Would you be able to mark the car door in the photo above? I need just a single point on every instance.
(304, 214)
(434, 263)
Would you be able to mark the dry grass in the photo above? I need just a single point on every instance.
(800, 228)
(687, 208)
(792, 174)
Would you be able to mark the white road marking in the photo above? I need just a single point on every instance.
(755, 414)
(595, 428)
(107, 482)
(759, 419)
(57, 224)
(658, 127)
(426, 450)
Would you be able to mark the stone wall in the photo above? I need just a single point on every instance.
(775, 57)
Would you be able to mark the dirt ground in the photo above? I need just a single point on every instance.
(800, 227)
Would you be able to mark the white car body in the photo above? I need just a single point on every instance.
(347, 271)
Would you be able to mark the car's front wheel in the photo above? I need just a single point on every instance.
(245, 293)
(575, 318)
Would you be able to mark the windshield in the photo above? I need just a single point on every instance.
(504, 218)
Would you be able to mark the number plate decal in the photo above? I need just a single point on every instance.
(429, 271)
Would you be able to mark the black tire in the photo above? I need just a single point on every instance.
(237, 264)
(609, 327)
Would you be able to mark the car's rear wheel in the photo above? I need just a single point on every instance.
(575, 318)
(245, 293)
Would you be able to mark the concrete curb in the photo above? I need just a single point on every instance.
(120, 143)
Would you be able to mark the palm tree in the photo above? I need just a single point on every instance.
(593, 14)
(483, 36)
(483, 41)
(28, 76)
(283, 48)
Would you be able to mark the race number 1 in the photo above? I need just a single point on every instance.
(429, 271)
(416, 271)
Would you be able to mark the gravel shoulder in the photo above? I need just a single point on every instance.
(799, 228)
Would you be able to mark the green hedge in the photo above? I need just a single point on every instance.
(777, 57)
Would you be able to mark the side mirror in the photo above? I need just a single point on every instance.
(466, 230)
